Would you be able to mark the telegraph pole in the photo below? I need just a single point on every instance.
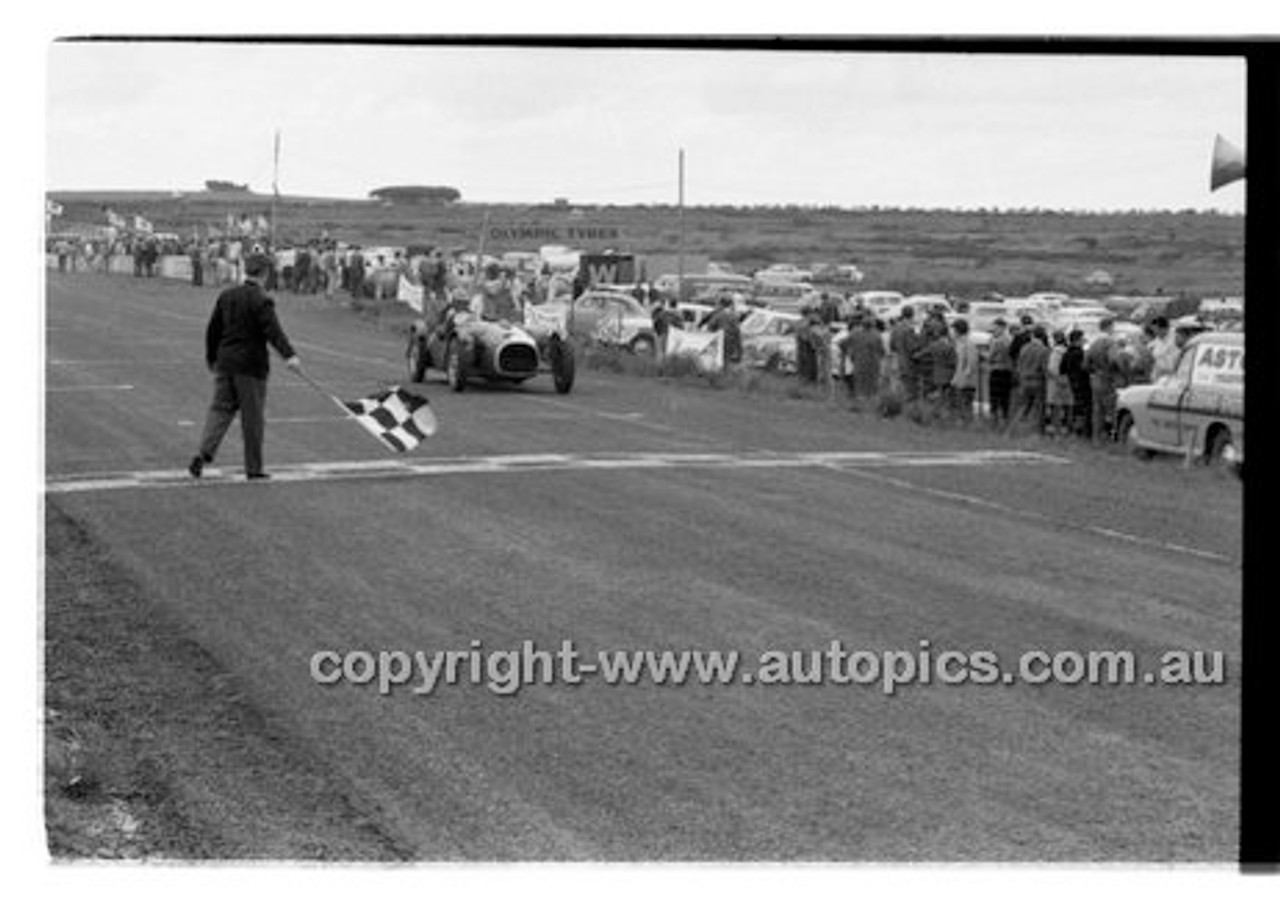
(275, 194)
(680, 257)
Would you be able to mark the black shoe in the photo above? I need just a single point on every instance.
(196, 468)
(258, 476)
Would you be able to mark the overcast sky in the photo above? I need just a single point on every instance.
(529, 125)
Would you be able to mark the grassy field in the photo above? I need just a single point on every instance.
(965, 253)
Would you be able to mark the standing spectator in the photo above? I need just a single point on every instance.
(828, 310)
(1101, 361)
(820, 337)
(196, 253)
(940, 356)
(935, 325)
(904, 340)
(1000, 381)
(1140, 358)
(235, 261)
(725, 318)
(1164, 349)
(301, 271)
(355, 270)
(806, 359)
(665, 317)
(1026, 325)
(964, 382)
(660, 327)
(434, 274)
(332, 271)
(1072, 367)
(865, 348)
(1032, 369)
(1058, 388)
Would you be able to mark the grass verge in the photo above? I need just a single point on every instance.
(153, 750)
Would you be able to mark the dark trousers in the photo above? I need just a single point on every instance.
(1001, 387)
(234, 394)
(1029, 406)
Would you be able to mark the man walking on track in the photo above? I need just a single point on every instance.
(242, 325)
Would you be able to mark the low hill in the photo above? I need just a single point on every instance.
(966, 253)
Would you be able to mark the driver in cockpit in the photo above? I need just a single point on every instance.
(495, 301)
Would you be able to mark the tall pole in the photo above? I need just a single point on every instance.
(680, 256)
(275, 193)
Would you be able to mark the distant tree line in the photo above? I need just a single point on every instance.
(414, 195)
(222, 185)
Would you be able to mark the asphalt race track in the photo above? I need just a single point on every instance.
(639, 514)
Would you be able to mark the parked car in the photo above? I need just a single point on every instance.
(612, 318)
(983, 315)
(1197, 411)
(769, 340)
(921, 305)
(784, 272)
(1051, 300)
(785, 296)
(885, 305)
(1080, 316)
(702, 285)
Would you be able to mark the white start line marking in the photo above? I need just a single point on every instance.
(509, 464)
(863, 464)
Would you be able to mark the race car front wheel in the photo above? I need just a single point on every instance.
(417, 359)
(562, 365)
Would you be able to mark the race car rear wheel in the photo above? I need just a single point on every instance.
(562, 365)
(1220, 453)
(417, 358)
(453, 366)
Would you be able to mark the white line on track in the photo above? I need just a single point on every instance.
(76, 362)
(507, 464)
(1032, 515)
(58, 390)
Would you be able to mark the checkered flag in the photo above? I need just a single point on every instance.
(398, 418)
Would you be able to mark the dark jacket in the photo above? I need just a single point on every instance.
(940, 355)
(1033, 363)
(243, 323)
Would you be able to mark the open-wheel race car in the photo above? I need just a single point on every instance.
(465, 347)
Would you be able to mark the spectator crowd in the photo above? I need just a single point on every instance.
(1024, 378)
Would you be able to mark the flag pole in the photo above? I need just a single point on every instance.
(484, 233)
(351, 414)
(323, 390)
(680, 255)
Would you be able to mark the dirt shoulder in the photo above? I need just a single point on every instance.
(153, 749)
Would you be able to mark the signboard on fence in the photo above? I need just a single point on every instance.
(599, 235)
(409, 293)
(705, 349)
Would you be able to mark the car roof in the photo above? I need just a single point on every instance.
(1219, 338)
